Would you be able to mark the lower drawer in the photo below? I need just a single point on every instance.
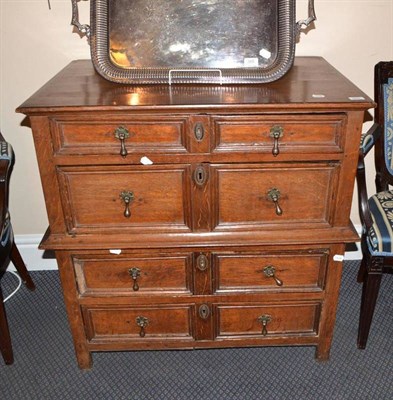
(163, 322)
(256, 320)
(187, 323)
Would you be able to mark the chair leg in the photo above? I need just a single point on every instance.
(5, 338)
(21, 267)
(362, 270)
(371, 284)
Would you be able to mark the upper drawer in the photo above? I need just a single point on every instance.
(255, 196)
(141, 134)
(116, 198)
(280, 133)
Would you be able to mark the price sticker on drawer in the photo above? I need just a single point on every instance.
(338, 257)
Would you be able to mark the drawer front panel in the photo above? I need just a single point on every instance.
(139, 323)
(265, 320)
(103, 275)
(154, 197)
(254, 196)
(305, 133)
(263, 272)
(89, 137)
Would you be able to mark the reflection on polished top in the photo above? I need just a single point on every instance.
(190, 33)
(311, 83)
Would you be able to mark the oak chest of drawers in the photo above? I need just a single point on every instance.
(197, 217)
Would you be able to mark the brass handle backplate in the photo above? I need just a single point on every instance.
(127, 197)
(270, 272)
(142, 322)
(274, 195)
(135, 274)
(122, 134)
(264, 320)
(276, 132)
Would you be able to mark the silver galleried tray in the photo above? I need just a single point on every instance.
(192, 41)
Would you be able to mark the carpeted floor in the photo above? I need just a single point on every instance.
(45, 365)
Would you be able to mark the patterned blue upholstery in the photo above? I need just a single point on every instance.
(380, 236)
(388, 128)
(367, 142)
(6, 151)
(6, 234)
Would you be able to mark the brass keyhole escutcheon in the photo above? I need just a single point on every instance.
(270, 272)
(142, 322)
(274, 195)
(121, 133)
(200, 175)
(276, 132)
(127, 197)
(202, 262)
(199, 131)
(204, 311)
(135, 273)
(264, 320)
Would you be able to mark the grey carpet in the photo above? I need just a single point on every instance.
(45, 365)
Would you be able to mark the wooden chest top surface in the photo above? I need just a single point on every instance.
(312, 83)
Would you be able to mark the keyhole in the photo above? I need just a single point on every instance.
(200, 176)
(204, 311)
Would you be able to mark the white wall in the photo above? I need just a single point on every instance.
(353, 35)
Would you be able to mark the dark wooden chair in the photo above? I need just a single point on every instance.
(376, 212)
(8, 250)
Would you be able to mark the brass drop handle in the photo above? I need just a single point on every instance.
(270, 272)
(122, 134)
(276, 132)
(142, 322)
(127, 197)
(274, 195)
(264, 320)
(135, 274)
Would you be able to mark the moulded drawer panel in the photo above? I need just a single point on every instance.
(138, 275)
(161, 322)
(304, 194)
(247, 320)
(93, 198)
(93, 136)
(274, 271)
(300, 133)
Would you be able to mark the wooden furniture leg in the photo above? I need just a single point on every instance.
(21, 267)
(370, 292)
(5, 338)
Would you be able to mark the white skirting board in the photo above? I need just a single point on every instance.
(33, 257)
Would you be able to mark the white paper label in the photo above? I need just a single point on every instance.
(338, 257)
(115, 251)
(251, 62)
(265, 54)
(318, 96)
(356, 98)
(146, 161)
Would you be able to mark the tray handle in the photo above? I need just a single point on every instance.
(311, 17)
(83, 28)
